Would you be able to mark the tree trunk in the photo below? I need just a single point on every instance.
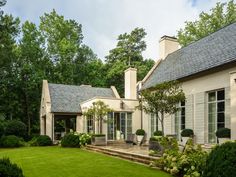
(100, 125)
(162, 123)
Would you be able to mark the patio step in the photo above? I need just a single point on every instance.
(144, 159)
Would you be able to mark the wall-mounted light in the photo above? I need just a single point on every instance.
(121, 104)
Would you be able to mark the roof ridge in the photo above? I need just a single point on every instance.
(78, 85)
(234, 23)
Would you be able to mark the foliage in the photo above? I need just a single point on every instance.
(2, 130)
(43, 140)
(8, 169)
(189, 163)
(221, 161)
(98, 135)
(70, 140)
(10, 141)
(140, 132)
(127, 53)
(162, 99)
(223, 133)
(158, 133)
(221, 15)
(15, 127)
(187, 133)
(85, 138)
(98, 111)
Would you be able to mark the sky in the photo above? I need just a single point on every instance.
(103, 20)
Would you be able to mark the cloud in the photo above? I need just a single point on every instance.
(104, 20)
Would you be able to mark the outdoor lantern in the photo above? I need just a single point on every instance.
(121, 105)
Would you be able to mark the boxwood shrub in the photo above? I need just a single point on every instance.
(140, 132)
(223, 133)
(43, 140)
(221, 161)
(8, 169)
(10, 141)
(15, 127)
(70, 140)
(187, 133)
(158, 133)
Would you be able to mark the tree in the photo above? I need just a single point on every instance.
(162, 99)
(62, 39)
(98, 112)
(221, 15)
(127, 53)
(9, 31)
(32, 67)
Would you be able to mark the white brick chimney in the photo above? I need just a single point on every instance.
(130, 83)
(167, 45)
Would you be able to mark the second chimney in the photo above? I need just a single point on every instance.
(167, 45)
(130, 83)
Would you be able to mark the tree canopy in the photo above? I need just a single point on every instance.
(127, 53)
(221, 15)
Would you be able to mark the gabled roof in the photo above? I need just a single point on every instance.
(217, 49)
(67, 98)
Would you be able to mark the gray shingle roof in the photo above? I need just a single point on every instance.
(212, 51)
(67, 98)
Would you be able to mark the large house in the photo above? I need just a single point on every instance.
(206, 70)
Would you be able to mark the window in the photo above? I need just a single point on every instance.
(90, 125)
(216, 113)
(154, 123)
(180, 119)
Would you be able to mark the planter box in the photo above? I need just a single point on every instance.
(139, 138)
(184, 140)
(99, 141)
(223, 140)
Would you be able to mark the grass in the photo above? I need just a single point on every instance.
(73, 162)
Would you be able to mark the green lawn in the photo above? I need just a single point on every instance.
(69, 162)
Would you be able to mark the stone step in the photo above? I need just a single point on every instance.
(144, 159)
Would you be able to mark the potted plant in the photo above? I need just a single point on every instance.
(186, 134)
(140, 134)
(99, 140)
(158, 133)
(223, 135)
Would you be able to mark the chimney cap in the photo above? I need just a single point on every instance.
(130, 68)
(168, 38)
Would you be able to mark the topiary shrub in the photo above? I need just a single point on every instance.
(187, 133)
(140, 132)
(221, 161)
(70, 140)
(8, 169)
(10, 141)
(158, 133)
(43, 140)
(15, 127)
(223, 133)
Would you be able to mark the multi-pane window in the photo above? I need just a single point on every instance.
(153, 124)
(180, 119)
(90, 125)
(216, 113)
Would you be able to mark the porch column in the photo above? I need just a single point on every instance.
(233, 104)
(79, 124)
(49, 125)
